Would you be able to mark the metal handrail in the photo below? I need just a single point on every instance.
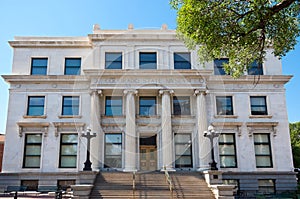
(133, 181)
(169, 181)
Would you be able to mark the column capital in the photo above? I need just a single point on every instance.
(96, 92)
(166, 91)
(200, 92)
(129, 91)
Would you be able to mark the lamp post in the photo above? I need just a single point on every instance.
(211, 134)
(88, 136)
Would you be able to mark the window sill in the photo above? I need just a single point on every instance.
(69, 116)
(183, 116)
(113, 116)
(260, 116)
(226, 116)
(148, 116)
(37, 116)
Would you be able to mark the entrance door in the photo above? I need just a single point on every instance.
(148, 157)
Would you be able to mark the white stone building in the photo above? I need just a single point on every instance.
(149, 101)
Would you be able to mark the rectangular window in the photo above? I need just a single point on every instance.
(113, 106)
(148, 60)
(181, 105)
(263, 154)
(218, 66)
(70, 105)
(113, 60)
(147, 106)
(255, 69)
(183, 151)
(31, 185)
(72, 66)
(35, 105)
(182, 61)
(266, 186)
(32, 152)
(224, 105)
(113, 151)
(258, 105)
(68, 151)
(39, 66)
(227, 151)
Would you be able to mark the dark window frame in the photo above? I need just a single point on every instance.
(268, 187)
(180, 62)
(61, 156)
(264, 155)
(72, 106)
(178, 156)
(230, 105)
(111, 144)
(255, 69)
(110, 64)
(120, 106)
(77, 67)
(233, 143)
(148, 106)
(29, 105)
(152, 63)
(41, 67)
(264, 106)
(177, 107)
(32, 144)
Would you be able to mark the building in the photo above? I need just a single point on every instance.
(2, 139)
(149, 101)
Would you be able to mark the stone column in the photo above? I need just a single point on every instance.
(166, 130)
(95, 117)
(203, 143)
(130, 132)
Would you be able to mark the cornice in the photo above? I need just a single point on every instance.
(263, 79)
(44, 78)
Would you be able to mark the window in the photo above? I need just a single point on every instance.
(113, 106)
(258, 105)
(266, 186)
(224, 105)
(35, 105)
(32, 152)
(182, 61)
(39, 66)
(68, 151)
(70, 105)
(181, 105)
(113, 151)
(227, 151)
(72, 66)
(255, 69)
(65, 184)
(113, 60)
(147, 106)
(148, 60)
(263, 153)
(218, 66)
(183, 151)
(31, 185)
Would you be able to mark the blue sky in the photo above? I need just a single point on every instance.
(76, 18)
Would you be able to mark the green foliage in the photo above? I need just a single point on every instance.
(238, 30)
(295, 141)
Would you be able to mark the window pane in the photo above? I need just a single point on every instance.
(258, 105)
(183, 161)
(218, 66)
(182, 61)
(113, 162)
(226, 149)
(148, 61)
(147, 106)
(263, 161)
(72, 66)
(224, 105)
(113, 138)
(113, 60)
(181, 138)
(70, 106)
(183, 149)
(69, 149)
(181, 105)
(69, 138)
(226, 138)
(261, 138)
(68, 161)
(255, 69)
(114, 149)
(33, 150)
(34, 138)
(113, 106)
(39, 66)
(35, 106)
(32, 162)
(227, 161)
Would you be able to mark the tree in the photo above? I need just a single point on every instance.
(295, 141)
(240, 30)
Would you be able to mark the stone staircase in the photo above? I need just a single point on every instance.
(118, 185)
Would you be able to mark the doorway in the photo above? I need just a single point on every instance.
(148, 153)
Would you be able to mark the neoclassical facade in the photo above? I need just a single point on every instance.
(148, 101)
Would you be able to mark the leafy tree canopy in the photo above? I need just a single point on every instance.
(240, 30)
(295, 141)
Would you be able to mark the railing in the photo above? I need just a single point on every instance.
(169, 181)
(133, 182)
